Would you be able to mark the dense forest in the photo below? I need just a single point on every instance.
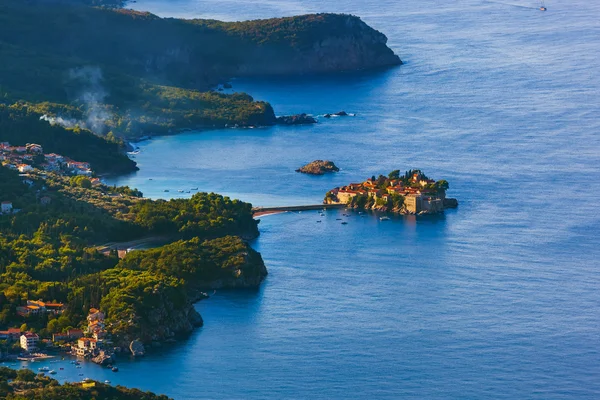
(26, 385)
(47, 251)
(95, 66)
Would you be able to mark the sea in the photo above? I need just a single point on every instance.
(499, 298)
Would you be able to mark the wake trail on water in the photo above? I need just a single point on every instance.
(512, 5)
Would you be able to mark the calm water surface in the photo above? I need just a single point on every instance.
(498, 299)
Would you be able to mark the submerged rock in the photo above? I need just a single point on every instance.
(318, 167)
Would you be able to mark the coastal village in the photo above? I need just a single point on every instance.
(413, 193)
(25, 158)
(91, 343)
(30, 159)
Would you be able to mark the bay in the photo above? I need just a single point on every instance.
(497, 299)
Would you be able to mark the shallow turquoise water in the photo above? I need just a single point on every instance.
(497, 299)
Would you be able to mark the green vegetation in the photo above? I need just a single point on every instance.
(199, 263)
(47, 252)
(97, 68)
(26, 385)
(204, 215)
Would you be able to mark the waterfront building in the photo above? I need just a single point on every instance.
(29, 341)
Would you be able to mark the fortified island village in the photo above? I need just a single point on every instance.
(412, 193)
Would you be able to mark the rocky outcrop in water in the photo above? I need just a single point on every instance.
(104, 357)
(450, 203)
(338, 114)
(318, 167)
(298, 119)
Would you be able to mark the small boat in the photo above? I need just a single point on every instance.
(61, 368)
(80, 374)
(344, 223)
(180, 191)
(107, 382)
(149, 179)
(79, 366)
(338, 219)
(86, 379)
(115, 369)
(194, 188)
(44, 369)
(384, 218)
(542, 6)
(319, 221)
(52, 372)
(166, 190)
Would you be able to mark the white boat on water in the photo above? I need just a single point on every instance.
(384, 218)
(52, 372)
(44, 369)
(107, 382)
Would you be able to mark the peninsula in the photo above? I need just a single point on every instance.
(97, 69)
(60, 291)
(411, 193)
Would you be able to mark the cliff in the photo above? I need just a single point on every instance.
(157, 305)
(308, 44)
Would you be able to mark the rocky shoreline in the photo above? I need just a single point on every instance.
(170, 324)
(447, 203)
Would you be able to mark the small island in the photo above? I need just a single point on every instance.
(318, 167)
(411, 193)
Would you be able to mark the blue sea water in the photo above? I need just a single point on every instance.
(497, 299)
